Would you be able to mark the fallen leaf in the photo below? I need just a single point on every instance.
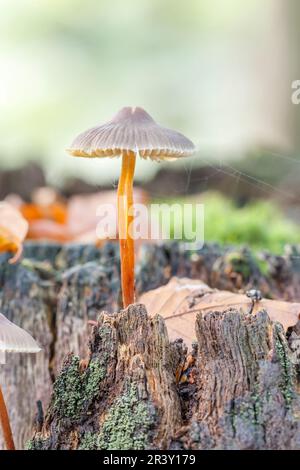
(44, 229)
(13, 230)
(46, 204)
(182, 299)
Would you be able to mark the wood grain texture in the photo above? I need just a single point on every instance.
(246, 392)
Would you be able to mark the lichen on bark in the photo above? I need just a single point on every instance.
(127, 424)
(74, 390)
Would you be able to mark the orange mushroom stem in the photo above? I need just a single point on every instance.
(5, 424)
(125, 220)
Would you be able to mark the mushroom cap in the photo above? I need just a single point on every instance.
(15, 339)
(132, 130)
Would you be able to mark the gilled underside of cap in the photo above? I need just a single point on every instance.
(15, 339)
(132, 130)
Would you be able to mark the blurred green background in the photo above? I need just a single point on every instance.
(220, 71)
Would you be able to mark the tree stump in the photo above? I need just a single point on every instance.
(55, 290)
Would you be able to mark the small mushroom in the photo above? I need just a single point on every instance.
(12, 339)
(132, 131)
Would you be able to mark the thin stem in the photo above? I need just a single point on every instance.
(5, 424)
(125, 219)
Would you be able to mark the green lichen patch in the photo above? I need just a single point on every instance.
(88, 441)
(127, 425)
(288, 371)
(37, 444)
(73, 391)
(244, 410)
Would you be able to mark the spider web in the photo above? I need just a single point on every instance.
(237, 176)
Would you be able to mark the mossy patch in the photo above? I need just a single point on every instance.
(73, 391)
(30, 445)
(127, 424)
(37, 444)
(88, 441)
(262, 265)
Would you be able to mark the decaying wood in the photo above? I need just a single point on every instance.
(239, 391)
(55, 290)
(127, 384)
(246, 384)
(230, 268)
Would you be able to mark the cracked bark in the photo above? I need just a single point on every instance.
(240, 393)
(56, 290)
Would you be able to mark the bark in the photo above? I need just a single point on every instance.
(246, 387)
(55, 290)
(136, 390)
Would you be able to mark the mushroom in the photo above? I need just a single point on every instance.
(12, 339)
(132, 131)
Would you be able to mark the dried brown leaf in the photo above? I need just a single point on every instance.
(182, 299)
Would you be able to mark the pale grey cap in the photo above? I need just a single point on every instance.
(15, 339)
(132, 130)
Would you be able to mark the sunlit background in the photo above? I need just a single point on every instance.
(220, 71)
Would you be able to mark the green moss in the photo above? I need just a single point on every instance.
(73, 391)
(127, 425)
(259, 224)
(288, 376)
(37, 444)
(240, 263)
